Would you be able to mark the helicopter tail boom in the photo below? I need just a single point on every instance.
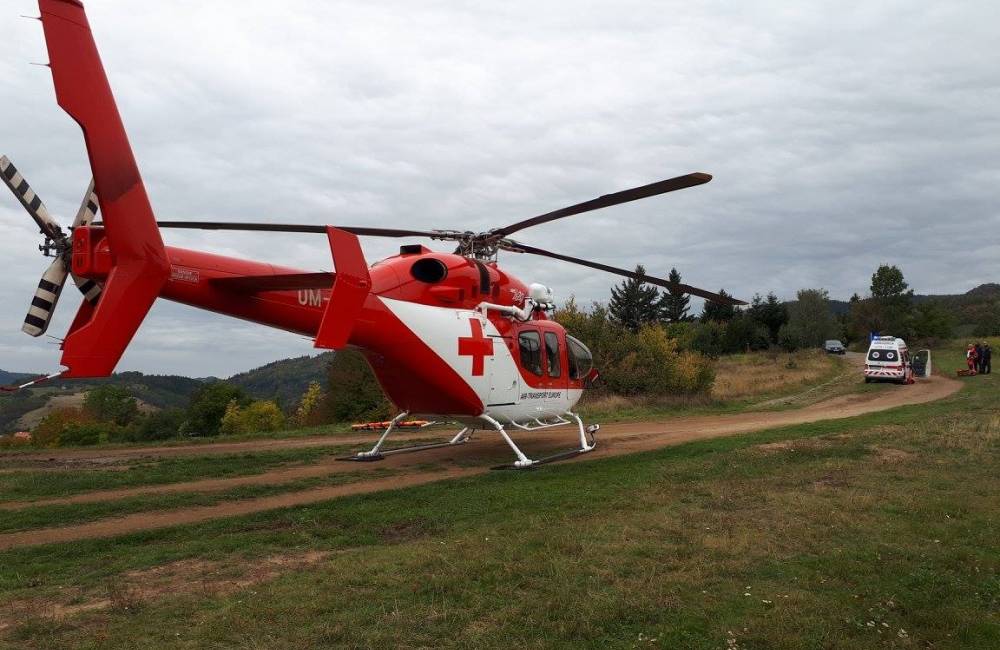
(140, 267)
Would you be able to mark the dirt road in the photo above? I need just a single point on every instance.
(482, 452)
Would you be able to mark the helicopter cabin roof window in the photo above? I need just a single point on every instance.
(531, 352)
(552, 354)
(429, 270)
(581, 361)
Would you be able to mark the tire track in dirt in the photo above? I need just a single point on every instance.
(151, 520)
(205, 449)
(615, 439)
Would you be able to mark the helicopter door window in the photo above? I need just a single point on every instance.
(552, 354)
(531, 352)
(581, 361)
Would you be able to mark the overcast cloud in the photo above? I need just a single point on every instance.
(839, 137)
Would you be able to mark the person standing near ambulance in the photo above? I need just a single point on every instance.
(987, 359)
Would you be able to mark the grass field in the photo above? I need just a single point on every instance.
(876, 531)
(742, 381)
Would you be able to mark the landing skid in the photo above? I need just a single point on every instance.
(363, 458)
(554, 458)
(376, 453)
(587, 441)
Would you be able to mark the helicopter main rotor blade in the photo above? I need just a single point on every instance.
(302, 228)
(625, 196)
(675, 287)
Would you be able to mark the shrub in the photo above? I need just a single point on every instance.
(648, 362)
(110, 403)
(48, 432)
(208, 406)
(309, 411)
(81, 433)
(258, 416)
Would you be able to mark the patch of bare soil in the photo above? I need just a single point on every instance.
(615, 439)
(775, 447)
(830, 481)
(890, 456)
(184, 577)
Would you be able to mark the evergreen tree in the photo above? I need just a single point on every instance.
(674, 305)
(718, 312)
(769, 312)
(634, 303)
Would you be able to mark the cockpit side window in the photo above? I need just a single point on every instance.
(531, 352)
(552, 354)
(581, 361)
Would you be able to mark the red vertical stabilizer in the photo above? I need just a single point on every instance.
(140, 265)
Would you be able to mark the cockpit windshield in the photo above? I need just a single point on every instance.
(581, 361)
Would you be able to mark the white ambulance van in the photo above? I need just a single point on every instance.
(888, 360)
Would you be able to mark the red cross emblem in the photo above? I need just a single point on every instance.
(476, 346)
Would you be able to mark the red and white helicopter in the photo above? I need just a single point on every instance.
(450, 336)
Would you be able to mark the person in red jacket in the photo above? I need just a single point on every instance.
(971, 358)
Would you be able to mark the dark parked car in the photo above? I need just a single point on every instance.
(834, 347)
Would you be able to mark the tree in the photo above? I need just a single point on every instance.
(770, 313)
(888, 286)
(810, 321)
(112, 404)
(894, 298)
(257, 416)
(208, 406)
(718, 312)
(674, 304)
(48, 432)
(353, 393)
(158, 425)
(932, 320)
(309, 406)
(634, 303)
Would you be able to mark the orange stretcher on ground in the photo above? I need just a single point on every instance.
(378, 426)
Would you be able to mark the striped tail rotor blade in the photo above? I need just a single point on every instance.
(13, 179)
(46, 297)
(90, 289)
(88, 208)
(85, 216)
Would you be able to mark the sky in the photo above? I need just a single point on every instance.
(840, 135)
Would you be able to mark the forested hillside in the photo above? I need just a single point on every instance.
(284, 381)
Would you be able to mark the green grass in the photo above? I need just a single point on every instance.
(67, 514)
(30, 485)
(875, 531)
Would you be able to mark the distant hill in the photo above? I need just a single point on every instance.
(284, 381)
(13, 378)
(969, 308)
(159, 391)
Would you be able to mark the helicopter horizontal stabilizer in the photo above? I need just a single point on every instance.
(350, 289)
(277, 282)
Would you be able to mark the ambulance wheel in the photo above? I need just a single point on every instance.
(868, 380)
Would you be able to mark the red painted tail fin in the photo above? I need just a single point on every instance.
(140, 265)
